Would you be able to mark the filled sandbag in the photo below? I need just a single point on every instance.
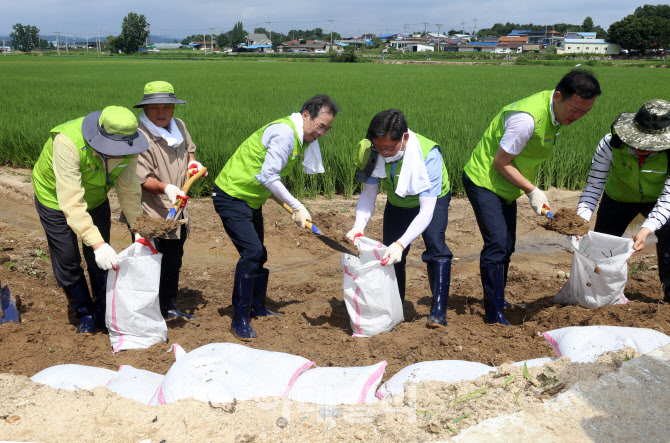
(599, 271)
(448, 371)
(74, 377)
(135, 384)
(222, 372)
(133, 316)
(586, 343)
(371, 293)
(338, 386)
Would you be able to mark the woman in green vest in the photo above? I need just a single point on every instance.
(249, 177)
(631, 166)
(411, 171)
(80, 162)
(504, 166)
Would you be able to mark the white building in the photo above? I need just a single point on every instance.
(587, 46)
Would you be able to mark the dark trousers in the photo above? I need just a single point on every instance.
(497, 223)
(64, 248)
(614, 217)
(397, 220)
(244, 226)
(173, 251)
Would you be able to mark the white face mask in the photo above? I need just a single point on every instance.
(397, 156)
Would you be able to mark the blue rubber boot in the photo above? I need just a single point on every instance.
(80, 301)
(400, 278)
(439, 276)
(99, 288)
(242, 290)
(663, 256)
(494, 293)
(258, 294)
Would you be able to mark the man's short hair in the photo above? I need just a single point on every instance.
(391, 121)
(316, 103)
(579, 81)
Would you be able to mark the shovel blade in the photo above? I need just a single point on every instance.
(333, 244)
(8, 310)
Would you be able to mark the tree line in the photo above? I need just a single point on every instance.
(648, 28)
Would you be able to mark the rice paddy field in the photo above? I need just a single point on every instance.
(228, 101)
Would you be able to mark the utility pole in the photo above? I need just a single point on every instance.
(406, 29)
(331, 33)
(462, 26)
(57, 45)
(148, 42)
(4, 51)
(87, 43)
(98, 48)
(270, 26)
(439, 25)
(425, 30)
(67, 50)
(474, 32)
(211, 38)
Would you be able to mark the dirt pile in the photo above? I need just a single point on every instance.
(566, 221)
(149, 227)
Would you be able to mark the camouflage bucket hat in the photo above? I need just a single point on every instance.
(648, 129)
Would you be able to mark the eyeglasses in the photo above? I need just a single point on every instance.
(320, 129)
(378, 149)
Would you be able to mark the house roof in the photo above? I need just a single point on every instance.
(258, 46)
(257, 37)
(482, 44)
(587, 41)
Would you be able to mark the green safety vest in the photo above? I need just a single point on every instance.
(389, 183)
(538, 149)
(630, 183)
(91, 167)
(238, 176)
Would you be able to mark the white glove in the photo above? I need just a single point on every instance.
(537, 199)
(105, 257)
(300, 216)
(393, 254)
(197, 166)
(585, 213)
(356, 232)
(172, 192)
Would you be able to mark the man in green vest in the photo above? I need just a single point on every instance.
(504, 166)
(80, 162)
(251, 175)
(413, 175)
(631, 165)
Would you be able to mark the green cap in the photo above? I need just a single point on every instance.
(118, 120)
(158, 92)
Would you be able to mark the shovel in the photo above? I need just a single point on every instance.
(181, 201)
(8, 310)
(333, 244)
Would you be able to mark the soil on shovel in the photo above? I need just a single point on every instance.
(566, 221)
(149, 227)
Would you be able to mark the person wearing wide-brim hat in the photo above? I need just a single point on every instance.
(631, 166)
(80, 162)
(162, 172)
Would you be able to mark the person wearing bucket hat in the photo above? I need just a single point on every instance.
(504, 166)
(631, 166)
(79, 163)
(250, 176)
(162, 172)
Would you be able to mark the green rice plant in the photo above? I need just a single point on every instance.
(230, 98)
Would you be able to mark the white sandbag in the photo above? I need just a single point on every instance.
(370, 290)
(221, 372)
(135, 384)
(535, 362)
(599, 271)
(448, 371)
(338, 386)
(74, 377)
(133, 315)
(586, 343)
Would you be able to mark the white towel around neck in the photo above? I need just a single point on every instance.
(173, 137)
(413, 178)
(312, 162)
